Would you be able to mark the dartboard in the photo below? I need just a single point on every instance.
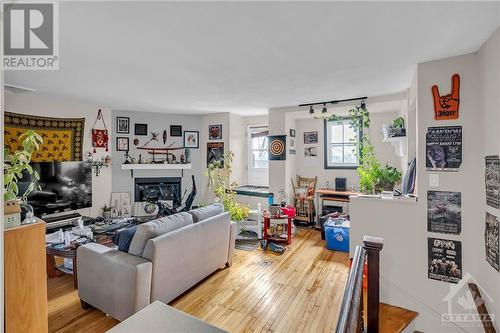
(277, 147)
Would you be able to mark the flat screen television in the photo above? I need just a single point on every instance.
(64, 187)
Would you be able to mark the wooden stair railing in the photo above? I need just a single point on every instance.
(481, 308)
(351, 316)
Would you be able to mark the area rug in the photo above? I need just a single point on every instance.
(247, 244)
(62, 137)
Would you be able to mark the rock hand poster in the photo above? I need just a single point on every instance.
(492, 180)
(491, 241)
(444, 213)
(444, 148)
(444, 260)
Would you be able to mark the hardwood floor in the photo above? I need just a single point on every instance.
(261, 292)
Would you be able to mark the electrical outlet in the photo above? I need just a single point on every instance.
(433, 180)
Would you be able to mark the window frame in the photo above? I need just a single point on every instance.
(251, 150)
(326, 146)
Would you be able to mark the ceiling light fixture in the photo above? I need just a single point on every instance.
(324, 110)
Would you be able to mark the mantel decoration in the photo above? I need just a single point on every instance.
(100, 136)
(62, 137)
(446, 106)
(219, 175)
(374, 177)
(97, 165)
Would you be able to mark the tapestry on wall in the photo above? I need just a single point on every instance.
(277, 147)
(62, 137)
(492, 180)
(444, 260)
(491, 241)
(444, 212)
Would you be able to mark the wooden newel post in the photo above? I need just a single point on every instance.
(373, 246)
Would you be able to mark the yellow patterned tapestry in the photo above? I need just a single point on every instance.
(62, 137)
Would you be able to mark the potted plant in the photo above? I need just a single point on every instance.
(397, 128)
(106, 212)
(17, 165)
(373, 177)
(219, 175)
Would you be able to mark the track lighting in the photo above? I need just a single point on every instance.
(363, 105)
(324, 110)
(311, 110)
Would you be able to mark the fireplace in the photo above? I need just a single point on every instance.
(159, 188)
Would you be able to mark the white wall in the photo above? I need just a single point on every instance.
(33, 103)
(385, 151)
(403, 226)
(206, 120)
(489, 71)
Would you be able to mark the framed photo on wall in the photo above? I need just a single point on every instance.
(191, 139)
(141, 129)
(310, 137)
(292, 133)
(175, 130)
(215, 152)
(122, 143)
(123, 125)
(215, 132)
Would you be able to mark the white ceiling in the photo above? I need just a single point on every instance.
(246, 57)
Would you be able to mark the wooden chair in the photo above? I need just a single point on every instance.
(303, 198)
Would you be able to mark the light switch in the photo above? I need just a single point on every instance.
(433, 180)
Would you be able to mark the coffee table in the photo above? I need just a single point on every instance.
(53, 270)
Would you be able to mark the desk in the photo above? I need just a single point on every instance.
(330, 195)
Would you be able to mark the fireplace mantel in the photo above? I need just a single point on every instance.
(156, 166)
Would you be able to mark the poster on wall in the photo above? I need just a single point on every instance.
(215, 152)
(491, 241)
(444, 148)
(444, 260)
(492, 181)
(444, 212)
(277, 147)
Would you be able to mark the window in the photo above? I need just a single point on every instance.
(341, 144)
(258, 163)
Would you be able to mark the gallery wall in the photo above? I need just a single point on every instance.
(403, 225)
(33, 103)
(489, 71)
(156, 122)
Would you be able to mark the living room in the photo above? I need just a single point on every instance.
(309, 164)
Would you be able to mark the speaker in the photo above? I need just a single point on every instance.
(340, 184)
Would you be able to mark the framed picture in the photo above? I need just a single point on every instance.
(310, 137)
(123, 125)
(191, 139)
(292, 133)
(141, 129)
(175, 130)
(121, 202)
(215, 132)
(215, 152)
(121, 143)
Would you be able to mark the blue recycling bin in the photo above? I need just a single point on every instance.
(337, 235)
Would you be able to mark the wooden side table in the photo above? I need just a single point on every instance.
(267, 224)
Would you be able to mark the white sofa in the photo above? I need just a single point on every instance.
(166, 257)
